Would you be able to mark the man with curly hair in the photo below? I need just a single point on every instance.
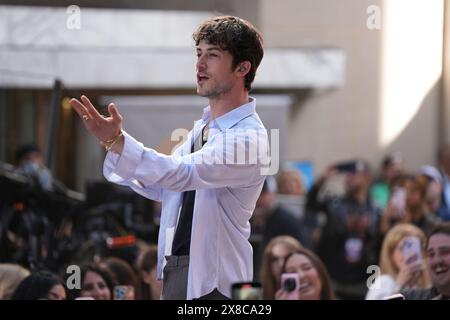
(210, 185)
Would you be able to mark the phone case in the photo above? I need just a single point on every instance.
(411, 250)
(398, 199)
(123, 293)
(290, 283)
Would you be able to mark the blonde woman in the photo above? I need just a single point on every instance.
(273, 260)
(397, 272)
(11, 275)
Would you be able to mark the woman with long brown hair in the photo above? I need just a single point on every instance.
(275, 253)
(313, 281)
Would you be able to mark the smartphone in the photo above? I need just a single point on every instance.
(397, 296)
(398, 200)
(246, 291)
(290, 283)
(350, 167)
(347, 167)
(412, 252)
(123, 293)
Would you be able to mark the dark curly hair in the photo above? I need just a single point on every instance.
(37, 286)
(237, 36)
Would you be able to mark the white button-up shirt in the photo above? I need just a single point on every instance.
(227, 174)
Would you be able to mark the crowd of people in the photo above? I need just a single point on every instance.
(107, 279)
(324, 239)
(352, 224)
(315, 244)
(109, 266)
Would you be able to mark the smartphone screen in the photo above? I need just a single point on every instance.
(411, 250)
(246, 291)
(123, 293)
(398, 199)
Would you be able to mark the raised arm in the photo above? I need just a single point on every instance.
(106, 129)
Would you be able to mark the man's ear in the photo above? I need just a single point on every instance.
(244, 67)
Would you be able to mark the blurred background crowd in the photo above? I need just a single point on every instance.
(331, 234)
(358, 90)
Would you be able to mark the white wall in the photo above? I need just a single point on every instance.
(445, 122)
(352, 121)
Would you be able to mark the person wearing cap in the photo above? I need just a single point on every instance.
(434, 188)
(29, 161)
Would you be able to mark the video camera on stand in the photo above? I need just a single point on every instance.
(29, 217)
(114, 217)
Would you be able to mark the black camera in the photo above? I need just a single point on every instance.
(289, 285)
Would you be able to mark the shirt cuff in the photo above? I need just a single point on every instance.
(125, 164)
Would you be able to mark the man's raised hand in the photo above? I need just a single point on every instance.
(103, 128)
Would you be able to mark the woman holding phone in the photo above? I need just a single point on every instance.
(304, 277)
(401, 262)
(273, 260)
(409, 204)
(97, 283)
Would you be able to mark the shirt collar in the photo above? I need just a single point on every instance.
(230, 118)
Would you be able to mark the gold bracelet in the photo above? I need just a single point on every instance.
(108, 144)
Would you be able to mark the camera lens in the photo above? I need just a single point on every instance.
(289, 285)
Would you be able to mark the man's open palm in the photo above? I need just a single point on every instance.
(103, 128)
